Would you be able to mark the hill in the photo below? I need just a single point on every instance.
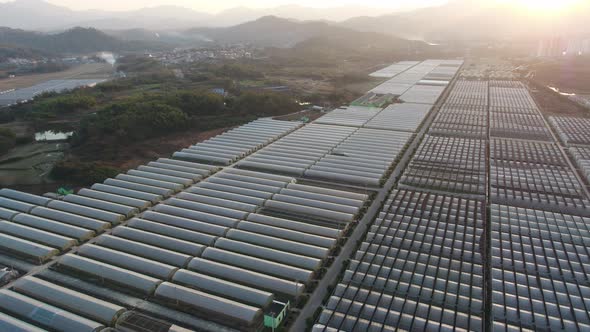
(272, 31)
(41, 15)
(77, 40)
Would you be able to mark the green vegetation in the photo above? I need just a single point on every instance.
(150, 112)
(134, 120)
(50, 106)
(155, 114)
(66, 103)
(7, 140)
(82, 173)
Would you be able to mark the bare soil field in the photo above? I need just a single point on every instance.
(570, 75)
(554, 104)
(91, 70)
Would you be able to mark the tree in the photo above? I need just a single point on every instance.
(7, 140)
(265, 104)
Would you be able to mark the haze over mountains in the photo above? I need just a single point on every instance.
(472, 19)
(268, 31)
(41, 15)
(152, 28)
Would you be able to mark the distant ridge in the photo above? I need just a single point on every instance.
(41, 15)
(76, 40)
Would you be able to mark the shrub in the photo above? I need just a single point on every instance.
(7, 140)
(83, 173)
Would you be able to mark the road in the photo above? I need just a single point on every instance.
(321, 291)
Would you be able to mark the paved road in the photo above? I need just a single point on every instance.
(321, 291)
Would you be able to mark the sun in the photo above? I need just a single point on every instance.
(547, 6)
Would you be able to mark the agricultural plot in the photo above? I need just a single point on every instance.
(582, 158)
(510, 94)
(363, 159)
(572, 131)
(539, 269)
(461, 121)
(534, 175)
(419, 268)
(195, 243)
(423, 94)
(394, 69)
(352, 116)
(404, 82)
(296, 152)
(519, 111)
(512, 125)
(449, 164)
(237, 143)
(403, 117)
(469, 93)
(222, 249)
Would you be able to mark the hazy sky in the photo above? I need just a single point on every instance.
(214, 6)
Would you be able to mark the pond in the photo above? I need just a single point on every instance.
(50, 135)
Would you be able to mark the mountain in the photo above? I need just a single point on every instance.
(77, 40)
(41, 15)
(33, 14)
(240, 15)
(269, 31)
(469, 19)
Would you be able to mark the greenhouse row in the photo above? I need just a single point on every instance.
(237, 143)
(421, 265)
(416, 270)
(434, 70)
(39, 228)
(423, 94)
(205, 247)
(464, 113)
(394, 69)
(454, 165)
(505, 150)
(295, 153)
(452, 157)
(539, 269)
(510, 97)
(461, 121)
(211, 250)
(365, 158)
(402, 117)
(353, 116)
(535, 175)
(469, 93)
(519, 126)
(572, 131)
(581, 156)
(338, 154)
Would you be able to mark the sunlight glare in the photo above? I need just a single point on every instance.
(547, 7)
